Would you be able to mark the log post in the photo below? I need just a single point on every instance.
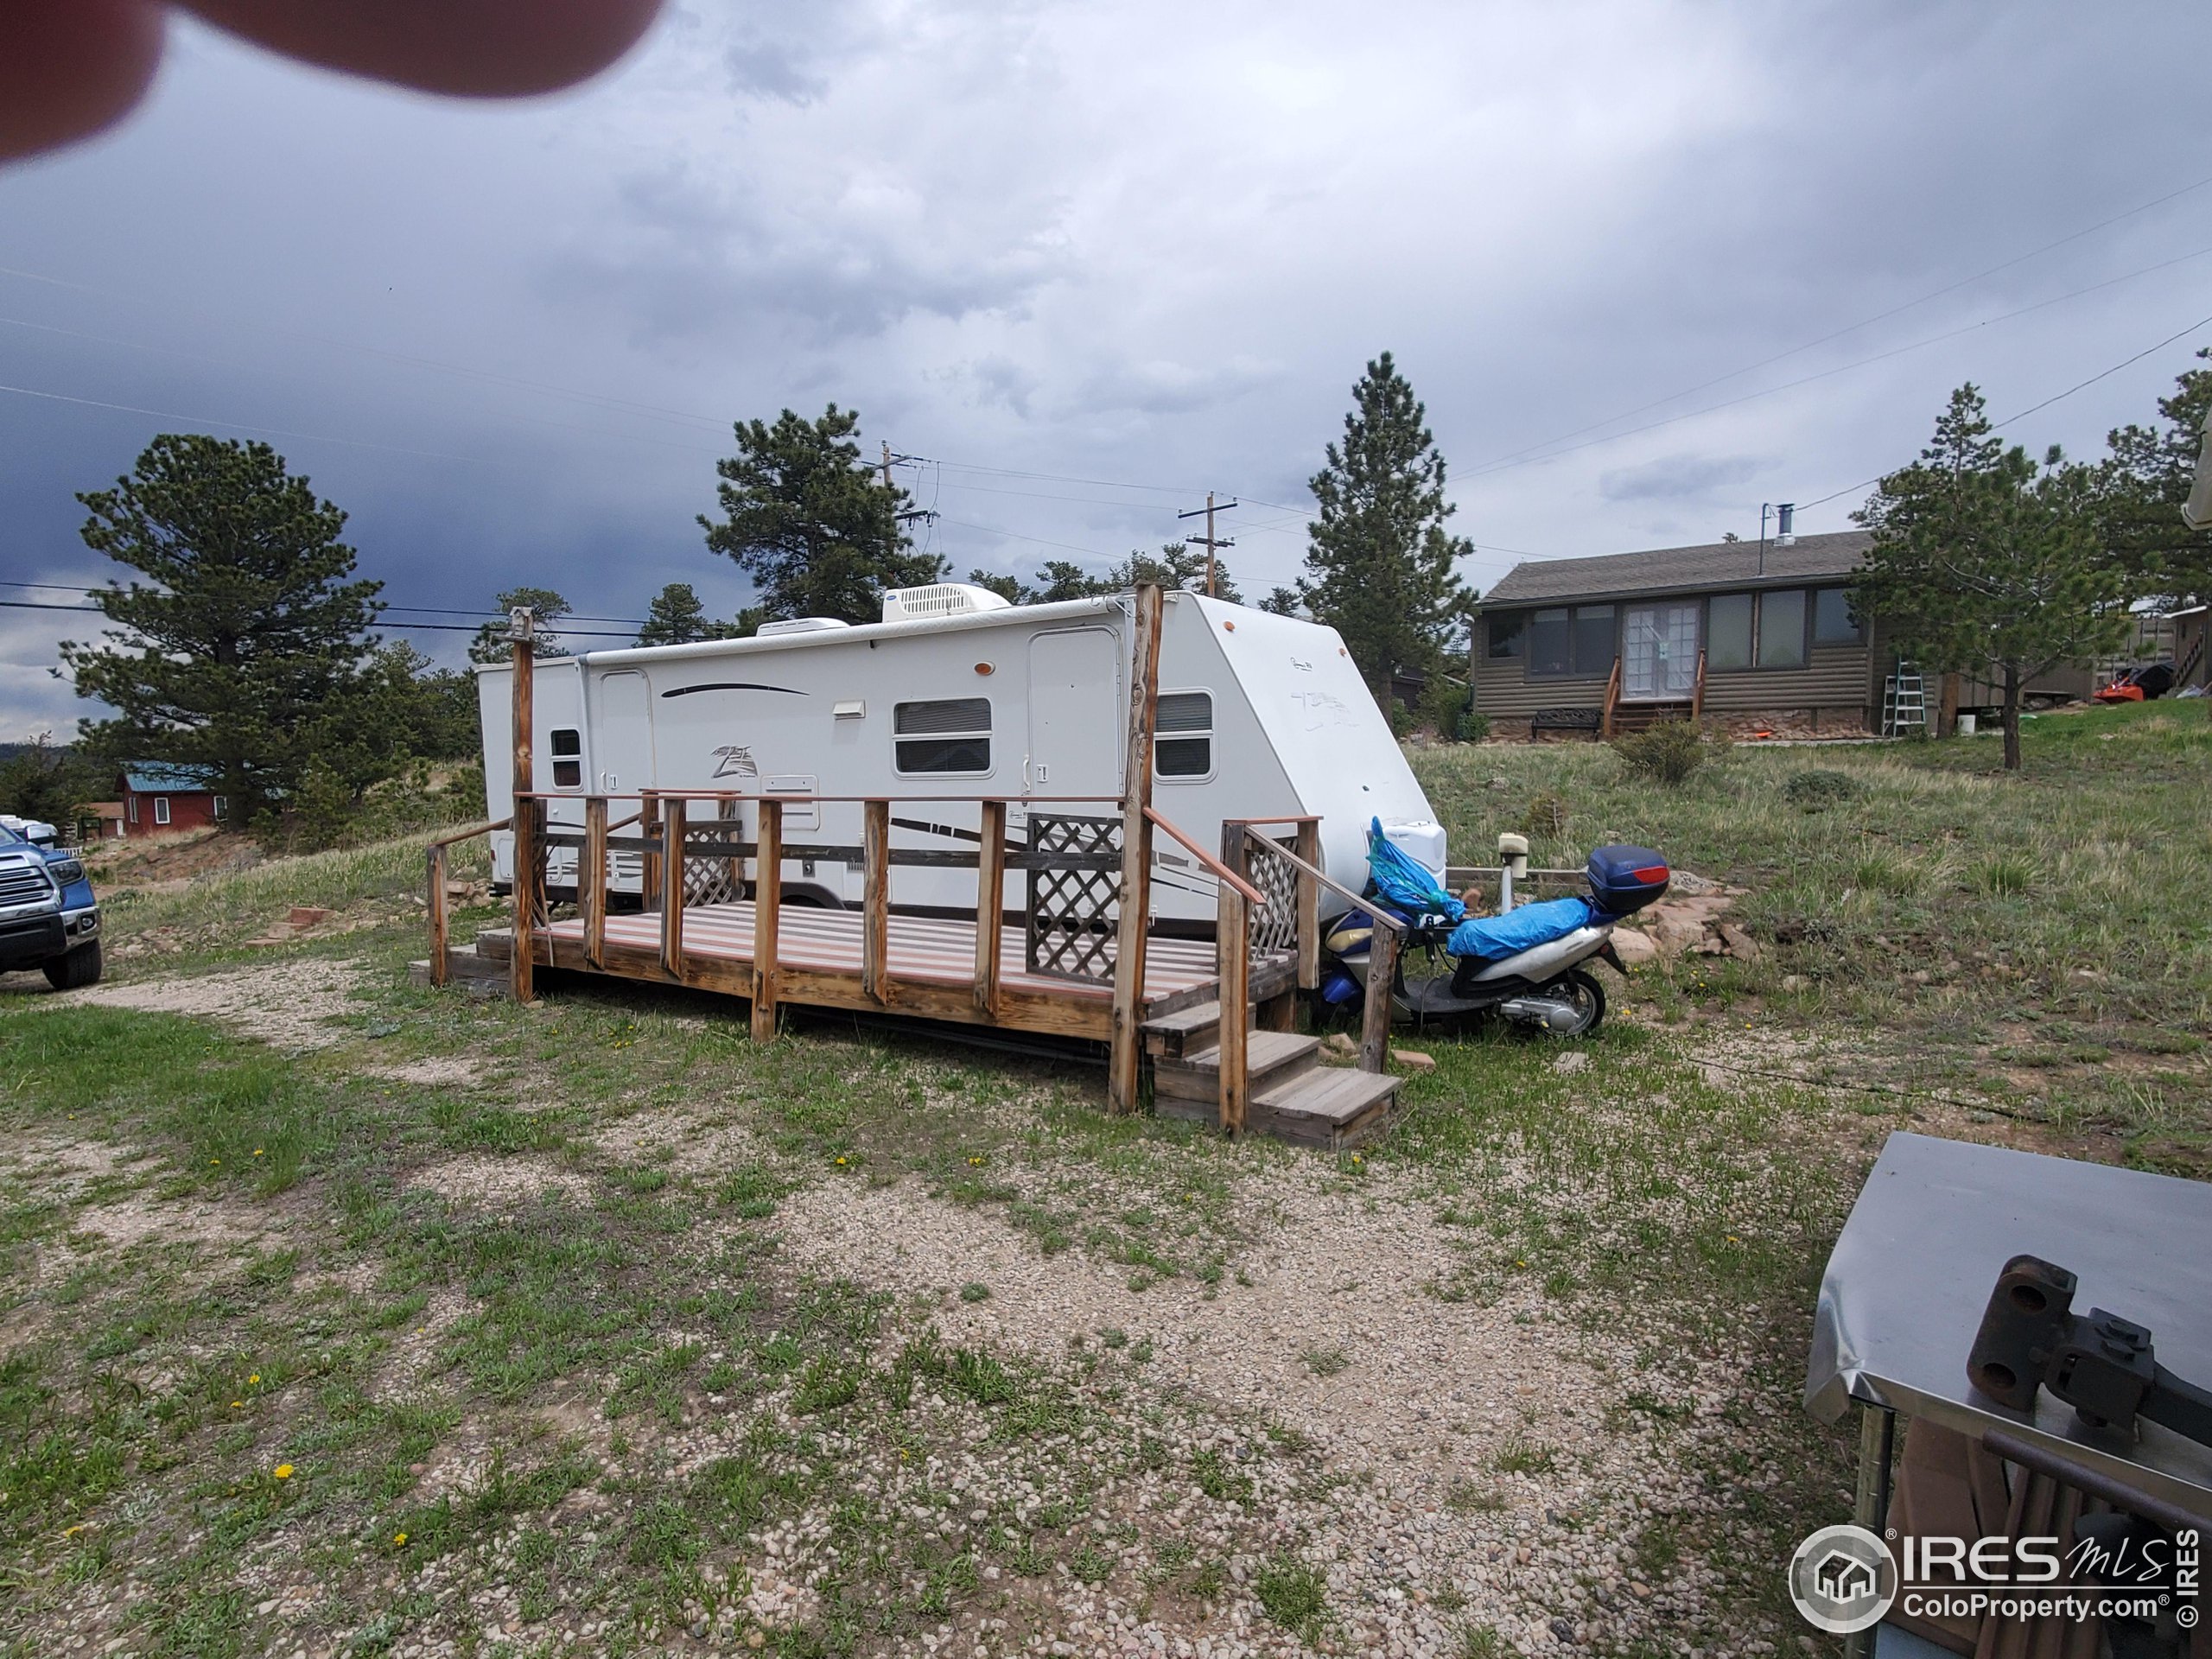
(591, 881)
(671, 888)
(1375, 1019)
(768, 905)
(649, 860)
(437, 895)
(1233, 960)
(1135, 894)
(875, 905)
(990, 906)
(522, 978)
(1308, 847)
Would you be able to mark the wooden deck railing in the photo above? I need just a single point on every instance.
(436, 896)
(1697, 692)
(1612, 702)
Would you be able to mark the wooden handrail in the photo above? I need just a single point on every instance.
(1286, 817)
(1368, 907)
(1697, 693)
(460, 835)
(1207, 861)
(1612, 700)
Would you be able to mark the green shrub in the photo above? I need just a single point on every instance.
(1668, 753)
(1546, 818)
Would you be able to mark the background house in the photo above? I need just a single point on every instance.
(1759, 638)
(158, 797)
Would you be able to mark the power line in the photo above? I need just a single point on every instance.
(2032, 408)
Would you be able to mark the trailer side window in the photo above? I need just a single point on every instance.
(568, 764)
(1183, 746)
(950, 735)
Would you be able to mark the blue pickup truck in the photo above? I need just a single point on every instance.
(48, 918)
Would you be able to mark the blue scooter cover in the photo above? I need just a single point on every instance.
(1493, 937)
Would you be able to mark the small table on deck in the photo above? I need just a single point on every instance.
(1911, 1273)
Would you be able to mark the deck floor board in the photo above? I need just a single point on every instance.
(925, 950)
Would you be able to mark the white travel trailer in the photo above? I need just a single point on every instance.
(958, 694)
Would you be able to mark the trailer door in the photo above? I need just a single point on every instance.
(625, 746)
(1075, 713)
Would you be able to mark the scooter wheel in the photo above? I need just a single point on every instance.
(1587, 998)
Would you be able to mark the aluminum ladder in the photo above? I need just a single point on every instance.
(1904, 703)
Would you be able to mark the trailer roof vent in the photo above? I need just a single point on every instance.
(799, 624)
(939, 599)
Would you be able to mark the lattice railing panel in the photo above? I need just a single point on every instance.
(1072, 910)
(1272, 929)
(710, 881)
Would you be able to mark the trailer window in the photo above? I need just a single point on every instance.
(568, 764)
(952, 735)
(1182, 744)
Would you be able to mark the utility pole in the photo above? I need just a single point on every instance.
(887, 465)
(1210, 541)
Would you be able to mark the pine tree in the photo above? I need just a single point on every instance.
(817, 530)
(2145, 477)
(676, 618)
(1379, 562)
(1983, 561)
(494, 641)
(240, 651)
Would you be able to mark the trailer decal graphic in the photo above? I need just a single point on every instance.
(736, 761)
(729, 685)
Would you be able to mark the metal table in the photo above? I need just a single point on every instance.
(1934, 1226)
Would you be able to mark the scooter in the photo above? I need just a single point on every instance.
(1524, 965)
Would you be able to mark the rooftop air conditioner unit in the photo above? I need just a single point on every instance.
(939, 599)
(799, 624)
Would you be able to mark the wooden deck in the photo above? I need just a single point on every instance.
(931, 963)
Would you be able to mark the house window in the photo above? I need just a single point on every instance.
(952, 735)
(1571, 644)
(1782, 629)
(161, 808)
(1728, 633)
(1509, 633)
(222, 808)
(1834, 622)
(130, 808)
(567, 763)
(1184, 745)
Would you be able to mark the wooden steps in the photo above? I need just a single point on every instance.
(1269, 1057)
(1335, 1107)
(1294, 1097)
(1641, 716)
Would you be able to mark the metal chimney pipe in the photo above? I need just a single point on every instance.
(1786, 524)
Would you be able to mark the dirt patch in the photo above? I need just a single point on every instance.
(286, 1004)
(1468, 1429)
(442, 1073)
(677, 1138)
(489, 1183)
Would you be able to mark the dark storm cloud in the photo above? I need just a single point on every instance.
(1146, 247)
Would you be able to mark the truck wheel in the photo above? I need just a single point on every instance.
(75, 971)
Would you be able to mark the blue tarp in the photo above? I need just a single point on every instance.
(1491, 938)
(1402, 883)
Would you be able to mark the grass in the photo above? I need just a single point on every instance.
(1924, 901)
(596, 1328)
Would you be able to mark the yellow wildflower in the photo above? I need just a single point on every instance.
(400, 1539)
(283, 1472)
(255, 1377)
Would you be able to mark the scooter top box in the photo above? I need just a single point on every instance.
(1624, 879)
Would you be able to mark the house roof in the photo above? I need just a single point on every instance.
(166, 777)
(1665, 570)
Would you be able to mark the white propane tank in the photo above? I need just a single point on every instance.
(1419, 839)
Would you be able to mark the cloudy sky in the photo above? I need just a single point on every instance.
(1649, 265)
